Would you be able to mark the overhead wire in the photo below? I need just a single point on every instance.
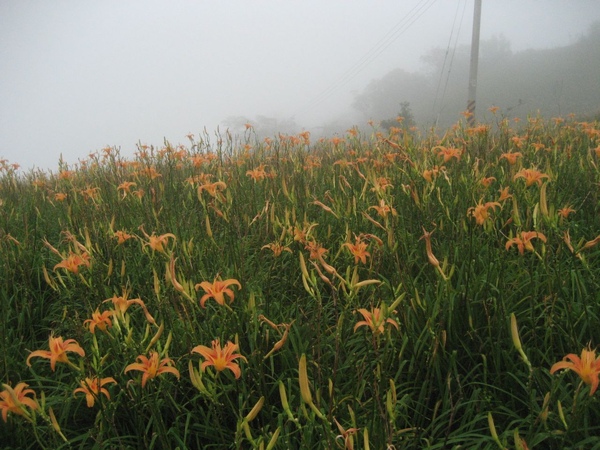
(403, 25)
(451, 59)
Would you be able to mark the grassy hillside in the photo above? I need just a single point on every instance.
(365, 291)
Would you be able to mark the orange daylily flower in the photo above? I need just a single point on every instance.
(122, 236)
(58, 351)
(587, 367)
(217, 290)
(277, 248)
(212, 188)
(257, 174)
(381, 184)
(150, 172)
(480, 212)
(73, 261)
(487, 181)
(90, 193)
(431, 174)
(15, 399)
(358, 249)
(220, 358)
(564, 212)
(93, 387)
(375, 320)
(122, 304)
(511, 157)
(504, 195)
(531, 176)
(152, 367)
(317, 251)
(126, 186)
(383, 209)
(99, 320)
(60, 196)
(302, 234)
(523, 241)
(157, 243)
(448, 153)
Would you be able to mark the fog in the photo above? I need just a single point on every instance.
(76, 76)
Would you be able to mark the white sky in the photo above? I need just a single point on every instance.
(78, 75)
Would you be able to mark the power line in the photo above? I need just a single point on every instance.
(407, 21)
(451, 59)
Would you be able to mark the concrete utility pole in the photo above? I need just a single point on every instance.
(474, 63)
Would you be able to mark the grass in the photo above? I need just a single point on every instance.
(391, 264)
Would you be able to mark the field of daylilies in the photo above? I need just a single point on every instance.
(374, 290)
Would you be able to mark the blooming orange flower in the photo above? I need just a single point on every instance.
(358, 249)
(220, 358)
(257, 174)
(448, 153)
(152, 367)
(122, 304)
(523, 241)
(100, 320)
(381, 184)
(157, 243)
(277, 248)
(217, 290)
(150, 172)
(126, 186)
(375, 320)
(212, 188)
(93, 387)
(487, 181)
(73, 261)
(122, 236)
(538, 146)
(58, 351)
(90, 193)
(383, 209)
(480, 212)
(504, 195)
(431, 174)
(531, 176)
(587, 367)
(317, 251)
(14, 400)
(564, 212)
(60, 196)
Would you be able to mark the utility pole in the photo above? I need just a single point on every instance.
(474, 63)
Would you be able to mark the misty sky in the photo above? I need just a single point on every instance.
(78, 75)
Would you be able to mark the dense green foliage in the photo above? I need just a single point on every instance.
(290, 221)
